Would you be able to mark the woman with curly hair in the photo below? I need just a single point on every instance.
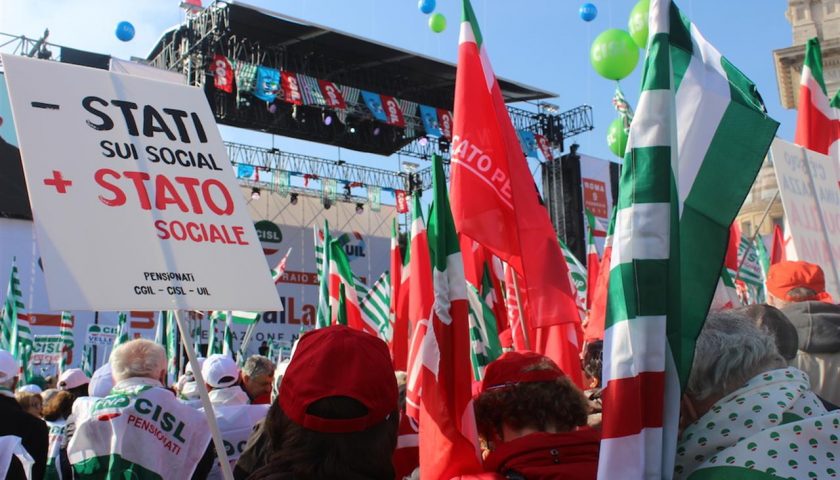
(533, 420)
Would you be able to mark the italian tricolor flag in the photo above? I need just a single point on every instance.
(696, 144)
(817, 122)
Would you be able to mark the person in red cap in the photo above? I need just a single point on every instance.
(798, 289)
(532, 417)
(336, 416)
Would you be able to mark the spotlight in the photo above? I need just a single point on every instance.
(326, 202)
(293, 198)
(352, 129)
(327, 119)
(376, 131)
(255, 193)
(360, 208)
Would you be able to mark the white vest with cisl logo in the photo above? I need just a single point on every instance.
(56, 435)
(236, 419)
(139, 431)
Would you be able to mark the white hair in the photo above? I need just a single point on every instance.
(729, 351)
(137, 358)
(257, 365)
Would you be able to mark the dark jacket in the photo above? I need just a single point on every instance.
(818, 326)
(33, 432)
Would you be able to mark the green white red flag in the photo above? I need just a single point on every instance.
(324, 315)
(817, 123)
(696, 144)
(577, 279)
(278, 271)
(341, 274)
(594, 328)
(494, 199)
(441, 367)
(16, 334)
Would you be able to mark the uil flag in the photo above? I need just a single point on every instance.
(340, 274)
(817, 125)
(696, 144)
(494, 199)
(442, 367)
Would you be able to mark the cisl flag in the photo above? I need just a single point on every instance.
(494, 199)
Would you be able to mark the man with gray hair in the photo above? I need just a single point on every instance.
(257, 377)
(749, 413)
(140, 427)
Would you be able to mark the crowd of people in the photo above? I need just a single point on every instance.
(762, 393)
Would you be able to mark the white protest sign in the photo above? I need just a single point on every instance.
(808, 185)
(101, 334)
(134, 202)
(47, 349)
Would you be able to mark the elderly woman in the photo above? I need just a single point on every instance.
(748, 415)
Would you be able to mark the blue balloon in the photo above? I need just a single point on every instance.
(426, 6)
(125, 31)
(588, 12)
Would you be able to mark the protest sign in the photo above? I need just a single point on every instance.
(46, 349)
(808, 186)
(101, 334)
(134, 202)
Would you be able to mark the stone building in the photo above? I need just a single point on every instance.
(808, 18)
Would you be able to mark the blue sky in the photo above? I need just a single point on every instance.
(542, 43)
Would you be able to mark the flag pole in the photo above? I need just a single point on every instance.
(521, 314)
(186, 341)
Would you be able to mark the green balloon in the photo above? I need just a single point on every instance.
(637, 25)
(614, 54)
(437, 22)
(617, 137)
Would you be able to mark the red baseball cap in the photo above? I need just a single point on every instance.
(338, 361)
(787, 275)
(519, 367)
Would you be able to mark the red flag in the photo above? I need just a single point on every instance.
(442, 372)
(544, 146)
(777, 250)
(223, 73)
(332, 95)
(445, 122)
(280, 269)
(562, 343)
(399, 323)
(291, 89)
(393, 112)
(514, 313)
(421, 298)
(598, 311)
(731, 259)
(402, 201)
(494, 198)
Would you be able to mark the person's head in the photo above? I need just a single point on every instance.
(776, 323)
(523, 393)
(257, 375)
(402, 386)
(59, 406)
(729, 351)
(138, 358)
(31, 403)
(101, 382)
(51, 381)
(593, 355)
(8, 372)
(74, 381)
(336, 422)
(48, 394)
(219, 371)
(792, 282)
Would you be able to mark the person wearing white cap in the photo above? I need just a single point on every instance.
(234, 415)
(101, 382)
(186, 387)
(74, 381)
(221, 375)
(14, 421)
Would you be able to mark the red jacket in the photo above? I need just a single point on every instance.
(544, 456)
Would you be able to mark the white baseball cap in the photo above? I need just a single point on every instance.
(8, 366)
(72, 378)
(101, 382)
(220, 371)
(34, 389)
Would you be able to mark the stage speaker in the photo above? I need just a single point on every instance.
(564, 197)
